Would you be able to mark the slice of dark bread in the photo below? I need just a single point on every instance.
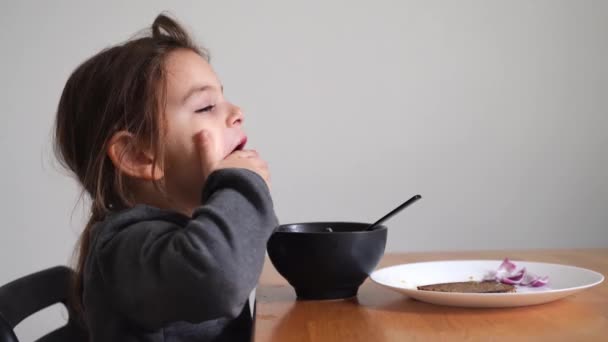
(470, 287)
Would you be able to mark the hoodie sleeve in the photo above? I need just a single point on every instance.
(163, 270)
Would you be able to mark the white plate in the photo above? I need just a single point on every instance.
(563, 281)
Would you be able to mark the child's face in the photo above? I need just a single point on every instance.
(195, 101)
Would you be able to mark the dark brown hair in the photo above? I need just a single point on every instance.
(122, 88)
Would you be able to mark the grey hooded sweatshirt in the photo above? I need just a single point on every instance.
(156, 275)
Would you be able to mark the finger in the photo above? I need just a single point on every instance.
(245, 154)
(254, 152)
(207, 151)
(268, 180)
(265, 174)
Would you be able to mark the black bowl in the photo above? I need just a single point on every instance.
(320, 264)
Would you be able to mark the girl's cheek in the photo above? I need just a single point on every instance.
(227, 146)
(228, 141)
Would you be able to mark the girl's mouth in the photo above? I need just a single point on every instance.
(241, 144)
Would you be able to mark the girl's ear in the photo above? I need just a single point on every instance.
(129, 158)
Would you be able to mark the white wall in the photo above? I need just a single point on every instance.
(495, 111)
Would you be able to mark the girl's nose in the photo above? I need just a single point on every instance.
(235, 118)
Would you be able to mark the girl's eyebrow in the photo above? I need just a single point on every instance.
(199, 88)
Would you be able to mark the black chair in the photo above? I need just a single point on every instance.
(27, 295)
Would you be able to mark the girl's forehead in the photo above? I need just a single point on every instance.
(186, 70)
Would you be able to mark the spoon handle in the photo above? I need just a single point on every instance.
(395, 211)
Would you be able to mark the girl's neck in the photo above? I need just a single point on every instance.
(150, 195)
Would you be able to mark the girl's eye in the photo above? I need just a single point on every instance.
(206, 109)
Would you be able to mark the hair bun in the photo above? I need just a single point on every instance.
(166, 28)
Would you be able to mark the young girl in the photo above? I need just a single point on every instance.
(181, 212)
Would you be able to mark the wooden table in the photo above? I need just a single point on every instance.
(379, 314)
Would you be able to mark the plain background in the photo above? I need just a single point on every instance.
(495, 111)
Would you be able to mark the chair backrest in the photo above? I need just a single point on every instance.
(27, 295)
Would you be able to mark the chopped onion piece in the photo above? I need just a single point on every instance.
(507, 265)
(506, 274)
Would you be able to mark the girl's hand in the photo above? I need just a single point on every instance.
(245, 159)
